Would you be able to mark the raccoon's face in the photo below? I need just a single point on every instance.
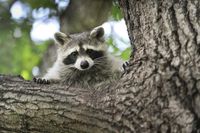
(81, 51)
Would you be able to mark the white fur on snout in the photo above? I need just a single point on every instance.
(83, 58)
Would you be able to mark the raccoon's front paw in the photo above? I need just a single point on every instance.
(125, 68)
(125, 65)
(41, 81)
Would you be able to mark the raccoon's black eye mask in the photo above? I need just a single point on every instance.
(93, 54)
(71, 59)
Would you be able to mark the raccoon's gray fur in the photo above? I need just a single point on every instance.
(83, 60)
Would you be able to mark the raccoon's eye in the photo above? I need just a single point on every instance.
(71, 59)
(75, 53)
(89, 51)
(94, 54)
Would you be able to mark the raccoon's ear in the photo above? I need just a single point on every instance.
(61, 38)
(97, 33)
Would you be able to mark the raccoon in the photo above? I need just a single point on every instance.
(83, 60)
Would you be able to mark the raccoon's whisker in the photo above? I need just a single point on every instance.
(102, 57)
(100, 62)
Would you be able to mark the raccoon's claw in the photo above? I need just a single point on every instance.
(41, 81)
(124, 66)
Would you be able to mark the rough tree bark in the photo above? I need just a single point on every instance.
(165, 73)
(160, 92)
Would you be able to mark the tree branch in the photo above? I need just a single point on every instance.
(26, 106)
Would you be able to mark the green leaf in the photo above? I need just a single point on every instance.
(126, 54)
(35, 4)
(112, 44)
(116, 12)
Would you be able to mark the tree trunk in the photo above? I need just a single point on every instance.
(28, 107)
(164, 86)
(159, 93)
(86, 15)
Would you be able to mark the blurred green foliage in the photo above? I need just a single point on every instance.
(36, 4)
(116, 12)
(125, 54)
(117, 15)
(19, 54)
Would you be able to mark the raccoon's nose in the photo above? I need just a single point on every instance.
(84, 64)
